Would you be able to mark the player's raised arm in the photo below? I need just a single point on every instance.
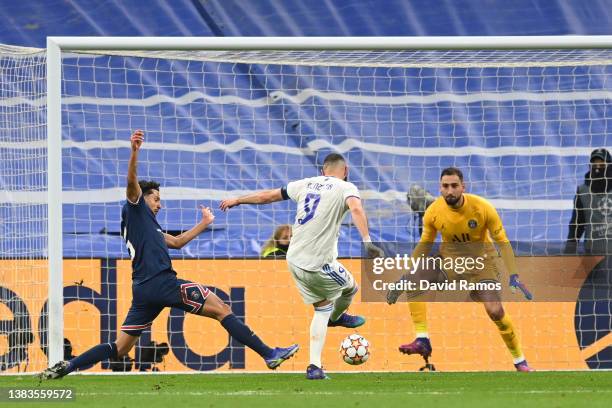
(133, 191)
(179, 241)
(258, 197)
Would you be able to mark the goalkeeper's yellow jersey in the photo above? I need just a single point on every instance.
(476, 221)
(466, 231)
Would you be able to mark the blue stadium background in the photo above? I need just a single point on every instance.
(505, 177)
(579, 124)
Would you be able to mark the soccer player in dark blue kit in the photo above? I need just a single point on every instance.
(154, 282)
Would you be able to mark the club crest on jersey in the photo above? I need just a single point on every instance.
(195, 295)
(472, 224)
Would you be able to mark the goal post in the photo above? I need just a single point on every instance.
(54, 200)
(330, 43)
(230, 115)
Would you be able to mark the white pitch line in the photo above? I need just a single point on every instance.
(353, 392)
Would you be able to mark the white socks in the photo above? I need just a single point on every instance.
(318, 331)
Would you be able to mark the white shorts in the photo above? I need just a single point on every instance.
(329, 283)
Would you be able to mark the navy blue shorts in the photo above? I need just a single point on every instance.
(164, 290)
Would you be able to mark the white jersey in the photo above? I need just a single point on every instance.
(321, 206)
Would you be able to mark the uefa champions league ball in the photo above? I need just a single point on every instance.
(355, 349)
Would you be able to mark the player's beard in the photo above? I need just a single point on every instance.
(452, 200)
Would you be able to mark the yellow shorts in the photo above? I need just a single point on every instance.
(491, 272)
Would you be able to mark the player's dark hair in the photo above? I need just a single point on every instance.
(147, 186)
(452, 171)
(332, 159)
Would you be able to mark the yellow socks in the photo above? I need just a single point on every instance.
(506, 330)
(418, 311)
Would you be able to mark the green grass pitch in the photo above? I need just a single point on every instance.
(495, 389)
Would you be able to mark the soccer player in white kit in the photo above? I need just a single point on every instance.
(322, 203)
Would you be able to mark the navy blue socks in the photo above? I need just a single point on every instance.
(94, 355)
(244, 335)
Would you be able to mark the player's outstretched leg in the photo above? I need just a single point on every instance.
(280, 354)
(339, 317)
(94, 355)
(318, 332)
(54, 372)
(216, 309)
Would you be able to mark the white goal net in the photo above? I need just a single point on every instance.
(23, 208)
(520, 124)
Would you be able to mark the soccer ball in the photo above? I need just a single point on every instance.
(355, 349)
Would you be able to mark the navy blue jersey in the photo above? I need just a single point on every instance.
(145, 241)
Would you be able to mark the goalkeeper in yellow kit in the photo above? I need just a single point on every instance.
(463, 218)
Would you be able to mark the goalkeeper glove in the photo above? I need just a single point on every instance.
(516, 283)
(372, 250)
